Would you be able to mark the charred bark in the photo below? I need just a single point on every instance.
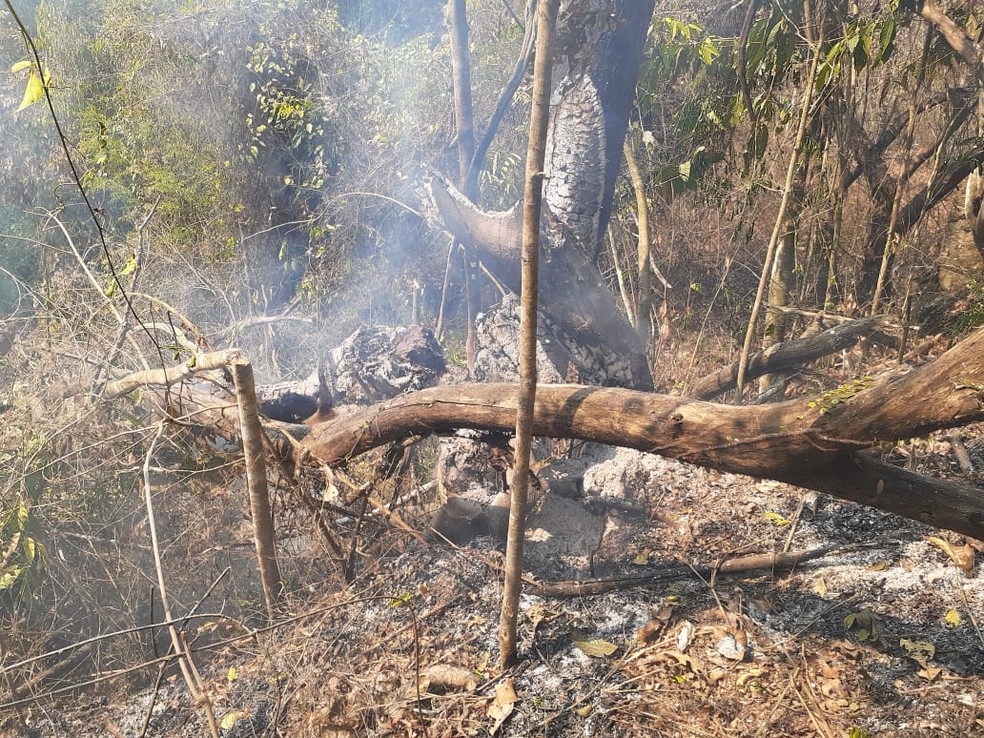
(597, 58)
(599, 45)
(786, 355)
(572, 293)
(817, 443)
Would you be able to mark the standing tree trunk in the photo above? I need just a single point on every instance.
(464, 128)
(532, 199)
(461, 75)
(256, 481)
(781, 283)
(787, 197)
(597, 54)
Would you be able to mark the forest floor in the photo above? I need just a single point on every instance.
(880, 636)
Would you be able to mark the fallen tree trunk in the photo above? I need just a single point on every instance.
(786, 355)
(816, 443)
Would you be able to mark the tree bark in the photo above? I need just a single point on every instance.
(598, 54)
(599, 48)
(815, 443)
(461, 72)
(526, 397)
(256, 481)
(955, 36)
(572, 292)
(786, 355)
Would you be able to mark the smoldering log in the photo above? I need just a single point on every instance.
(373, 364)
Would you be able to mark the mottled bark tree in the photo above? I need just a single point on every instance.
(597, 57)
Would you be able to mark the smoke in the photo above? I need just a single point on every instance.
(279, 137)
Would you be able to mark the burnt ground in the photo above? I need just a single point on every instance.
(881, 637)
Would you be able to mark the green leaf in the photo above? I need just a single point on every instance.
(231, 718)
(775, 518)
(708, 51)
(23, 514)
(34, 91)
(129, 267)
(400, 600)
(20, 66)
(886, 40)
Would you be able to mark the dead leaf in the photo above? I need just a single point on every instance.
(685, 636)
(593, 646)
(502, 705)
(584, 710)
(745, 676)
(642, 558)
(694, 665)
(961, 554)
(919, 651)
(929, 673)
(649, 632)
(731, 648)
(819, 586)
(665, 611)
(540, 614)
(446, 677)
(880, 565)
(483, 664)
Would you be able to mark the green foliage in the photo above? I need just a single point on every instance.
(284, 118)
(675, 179)
(37, 81)
(22, 554)
(867, 42)
(973, 316)
(681, 47)
(865, 625)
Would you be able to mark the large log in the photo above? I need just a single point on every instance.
(816, 443)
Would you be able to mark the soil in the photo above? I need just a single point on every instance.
(879, 637)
